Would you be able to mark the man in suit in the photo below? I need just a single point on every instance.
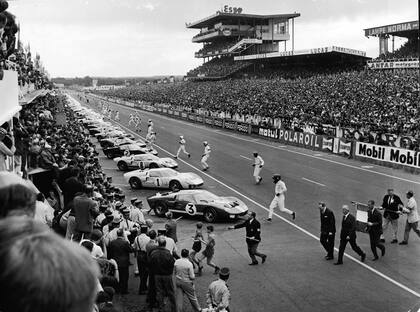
(119, 249)
(327, 236)
(85, 211)
(253, 237)
(375, 229)
(391, 204)
(348, 234)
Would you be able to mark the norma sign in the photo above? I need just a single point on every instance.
(389, 154)
(390, 29)
(242, 127)
(218, 122)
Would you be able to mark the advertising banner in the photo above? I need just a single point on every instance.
(177, 113)
(184, 115)
(267, 132)
(344, 147)
(192, 117)
(307, 140)
(231, 125)
(327, 144)
(388, 154)
(393, 65)
(170, 112)
(209, 121)
(199, 118)
(164, 110)
(218, 122)
(242, 127)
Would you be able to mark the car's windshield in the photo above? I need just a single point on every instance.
(169, 173)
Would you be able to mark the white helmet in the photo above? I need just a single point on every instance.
(205, 143)
(181, 136)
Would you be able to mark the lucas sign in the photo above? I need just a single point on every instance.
(389, 154)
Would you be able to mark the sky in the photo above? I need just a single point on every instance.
(121, 38)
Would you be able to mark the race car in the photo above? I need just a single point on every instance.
(117, 141)
(144, 161)
(128, 150)
(165, 178)
(198, 203)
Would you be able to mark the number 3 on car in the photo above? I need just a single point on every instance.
(190, 209)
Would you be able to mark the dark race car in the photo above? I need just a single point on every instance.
(198, 202)
(127, 150)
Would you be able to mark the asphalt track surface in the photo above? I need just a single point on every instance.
(295, 277)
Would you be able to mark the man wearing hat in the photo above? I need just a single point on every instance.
(140, 243)
(110, 230)
(136, 215)
(412, 217)
(218, 295)
(206, 155)
(327, 236)
(182, 147)
(278, 200)
(258, 164)
(150, 126)
(253, 237)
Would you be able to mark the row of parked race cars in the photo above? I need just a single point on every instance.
(144, 169)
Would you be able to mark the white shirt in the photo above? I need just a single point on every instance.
(182, 142)
(413, 215)
(207, 150)
(44, 213)
(96, 250)
(141, 241)
(258, 161)
(184, 270)
(170, 245)
(280, 188)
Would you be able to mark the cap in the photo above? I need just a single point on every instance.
(224, 272)
(125, 210)
(181, 136)
(138, 201)
(205, 143)
(411, 193)
(133, 200)
(276, 176)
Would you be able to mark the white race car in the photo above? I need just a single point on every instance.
(165, 178)
(143, 161)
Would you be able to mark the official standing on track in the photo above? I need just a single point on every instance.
(253, 237)
(205, 156)
(150, 126)
(375, 229)
(348, 235)
(258, 164)
(182, 147)
(412, 217)
(278, 200)
(117, 116)
(327, 230)
(391, 204)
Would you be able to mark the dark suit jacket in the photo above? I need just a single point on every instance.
(348, 227)
(119, 250)
(327, 221)
(253, 229)
(376, 218)
(85, 210)
(396, 201)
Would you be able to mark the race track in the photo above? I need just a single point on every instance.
(295, 277)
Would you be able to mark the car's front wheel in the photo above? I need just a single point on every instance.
(160, 209)
(153, 166)
(135, 183)
(122, 165)
(175, 186)
(210, 215)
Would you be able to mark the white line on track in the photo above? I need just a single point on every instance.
(312, 181)
(386, 277)
(280, 147)
(245, 157)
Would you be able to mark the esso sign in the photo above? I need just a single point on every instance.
(234, 10)
(190, 209)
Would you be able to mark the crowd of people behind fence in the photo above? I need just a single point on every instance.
(379, 101)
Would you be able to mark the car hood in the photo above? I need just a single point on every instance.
(231, 204)
(168, 161)
(190, 176)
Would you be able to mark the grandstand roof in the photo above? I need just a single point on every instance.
(243, 18)
(406, 30)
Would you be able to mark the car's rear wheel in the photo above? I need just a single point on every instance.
(109, 155)
(153, 166)
(122, 165)
(135, 183)
(160, 209)
(210, 215)
(175, 186)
